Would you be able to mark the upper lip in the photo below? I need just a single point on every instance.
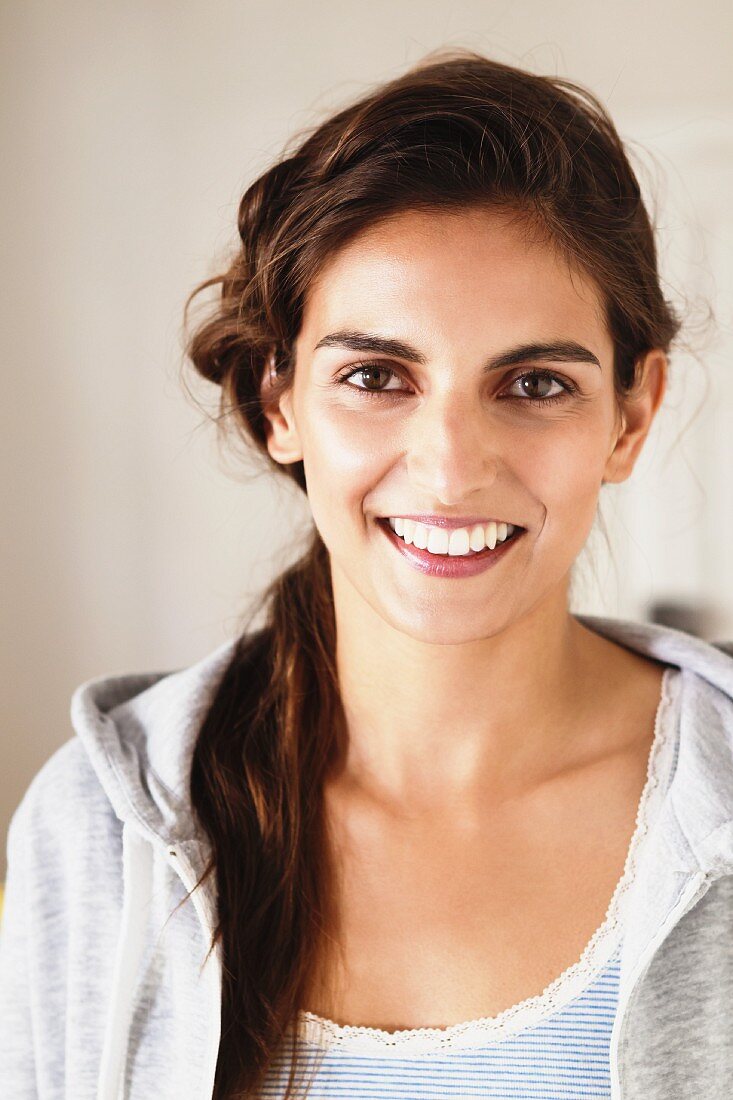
(446, 521)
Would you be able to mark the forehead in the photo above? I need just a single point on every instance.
(445, 272)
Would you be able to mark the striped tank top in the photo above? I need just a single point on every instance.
(551, 1046)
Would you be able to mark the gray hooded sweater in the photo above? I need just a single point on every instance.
(105, 993)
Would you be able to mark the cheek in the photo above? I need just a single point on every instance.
(563, 470)
(345, 447)
(344, 461)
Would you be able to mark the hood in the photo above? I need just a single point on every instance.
(140, 731)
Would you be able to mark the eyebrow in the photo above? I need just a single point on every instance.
(557, 351)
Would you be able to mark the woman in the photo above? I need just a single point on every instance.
(437, 835)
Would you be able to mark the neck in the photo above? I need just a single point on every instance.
(431, 723)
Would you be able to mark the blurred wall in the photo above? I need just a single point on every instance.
(129, 131)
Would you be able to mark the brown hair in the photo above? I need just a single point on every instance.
(458, 129)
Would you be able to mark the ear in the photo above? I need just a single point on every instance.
(283, 441)
(638, 411)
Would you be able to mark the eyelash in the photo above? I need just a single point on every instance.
(568, 387)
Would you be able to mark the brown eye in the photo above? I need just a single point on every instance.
(372, 374)
(534, 384)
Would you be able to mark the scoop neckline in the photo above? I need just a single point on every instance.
(324, 1033)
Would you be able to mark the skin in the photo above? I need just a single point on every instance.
(444, 439)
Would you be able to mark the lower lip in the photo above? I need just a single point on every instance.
(445, 565)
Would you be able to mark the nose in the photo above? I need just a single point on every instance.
(451, 451)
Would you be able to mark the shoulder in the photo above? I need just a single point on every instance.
(61, 919)
(64, 823)
(64, 788)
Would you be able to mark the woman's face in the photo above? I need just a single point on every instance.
(445, 424)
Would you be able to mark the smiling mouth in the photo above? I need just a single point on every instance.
(487, 549)
(444, 567)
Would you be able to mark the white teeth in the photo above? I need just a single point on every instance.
(420, 536)
(456, 542)
(477, 540)
(438, 540)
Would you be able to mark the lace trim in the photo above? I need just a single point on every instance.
(318, 1031)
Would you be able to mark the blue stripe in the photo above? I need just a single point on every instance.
(564, 1056)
